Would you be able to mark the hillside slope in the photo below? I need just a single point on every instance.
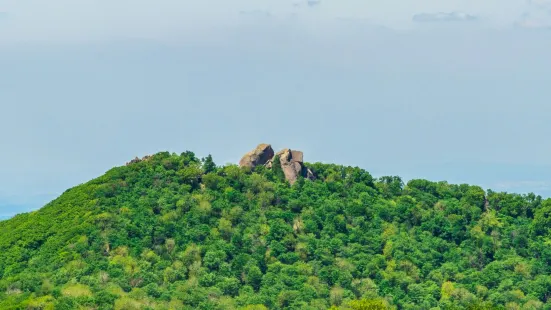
(174, 232)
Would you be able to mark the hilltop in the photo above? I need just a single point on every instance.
(172, 231)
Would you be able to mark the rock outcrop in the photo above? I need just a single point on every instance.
(292, 162)
(137, 160)
(259, 156)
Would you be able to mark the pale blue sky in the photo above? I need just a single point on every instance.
(445, 90)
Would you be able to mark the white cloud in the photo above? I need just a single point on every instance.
(84, 20)
(443, 17)
(313, 3)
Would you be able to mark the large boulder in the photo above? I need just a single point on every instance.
(297, 156)
(259, 156)
(291, 164)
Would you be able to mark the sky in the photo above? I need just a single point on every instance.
(444, 90)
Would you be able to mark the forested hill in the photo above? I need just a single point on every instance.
(176, 232)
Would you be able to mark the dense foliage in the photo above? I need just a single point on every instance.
(176, 232)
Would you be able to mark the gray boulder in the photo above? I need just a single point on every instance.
(259, 156)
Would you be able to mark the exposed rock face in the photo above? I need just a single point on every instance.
(137, 160)
(297, 156)
(259, 156)
(292, 162)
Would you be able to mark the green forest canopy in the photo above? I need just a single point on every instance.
(176, 232)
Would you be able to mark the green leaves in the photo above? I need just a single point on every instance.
(171, 231)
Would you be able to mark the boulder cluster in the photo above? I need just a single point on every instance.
(137, 160)
(291, 161)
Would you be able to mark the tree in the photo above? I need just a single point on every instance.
(208, 164)
(171, 230)
(542, 218)
(276, 168)
(390, 186)
(373, 304)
